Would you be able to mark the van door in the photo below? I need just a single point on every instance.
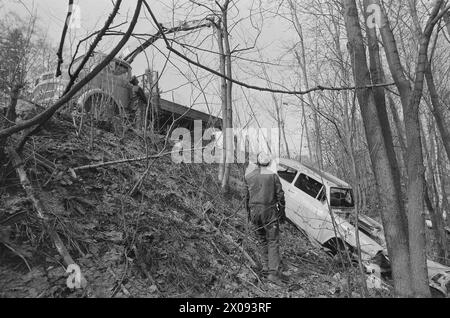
(304, 195)
(287, 176)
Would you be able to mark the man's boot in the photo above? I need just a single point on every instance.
(273, 278)
(265, 271)
(277, 278)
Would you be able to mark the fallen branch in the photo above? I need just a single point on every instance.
(12, 249)
(138, 184)
(111, 163)
(119, 284)
(40, 209)
(229, 238)
(247, 256)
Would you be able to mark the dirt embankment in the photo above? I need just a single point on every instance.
(176, 237)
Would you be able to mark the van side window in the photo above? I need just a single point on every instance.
(308, 185)
(286, 173)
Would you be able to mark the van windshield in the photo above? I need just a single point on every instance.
(341, 198)
(308, 185)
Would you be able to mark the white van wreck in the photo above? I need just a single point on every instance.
(322, 206)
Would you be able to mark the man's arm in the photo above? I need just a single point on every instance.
(247, 199)
(141, 95)
(279, 196)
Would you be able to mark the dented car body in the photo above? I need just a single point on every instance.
(322, 206)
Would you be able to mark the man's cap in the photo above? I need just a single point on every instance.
(263, 159)
(134, 80)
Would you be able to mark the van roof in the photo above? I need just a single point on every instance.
(321, 176)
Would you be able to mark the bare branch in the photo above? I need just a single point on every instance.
(63, 37)
(254, 87)
(194, 25)
(94, 44)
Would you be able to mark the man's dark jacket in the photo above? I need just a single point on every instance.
(264, 190)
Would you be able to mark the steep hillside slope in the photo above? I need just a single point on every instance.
(176, 237)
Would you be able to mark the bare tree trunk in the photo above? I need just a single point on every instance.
(301, 59)
(10, 119)
(432, 187)
(436, 219)
(415, 167)
(305, 126)
(229, 111)
(398, 74)
(415, 192)
(410, 102)
(277, 112)
(399, 128)
(223, 97)
(443, 178)
(376, 72)
(391, 207)
(358, 205)
(393, 58)
(440, 112)
(283, 131)
(7, 122)
(278, 116)
(11, 115)
(447, 22)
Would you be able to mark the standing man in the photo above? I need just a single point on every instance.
(266, 208)
(138, 104)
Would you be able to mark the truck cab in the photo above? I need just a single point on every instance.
(108, 93)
